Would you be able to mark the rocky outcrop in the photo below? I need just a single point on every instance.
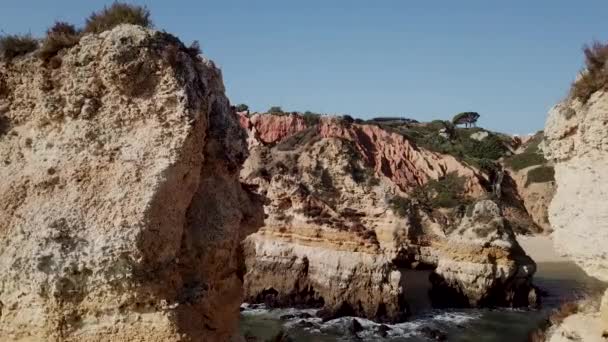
(320, 244)
(394, 156)
(270, 129)
(342, 218)
(480, 263)
(536, 197)
(121, 212)
(284, 271)
(535, 194)
(577, 142)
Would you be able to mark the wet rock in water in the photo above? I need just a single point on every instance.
(306, 324)
(382, 330)
(302, 315)
(281, 336)
(354, 327)
(433, 334)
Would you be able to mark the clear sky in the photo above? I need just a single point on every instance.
(508, 60)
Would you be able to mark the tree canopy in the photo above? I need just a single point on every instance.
(242, 107)
(275, 110)
(465, 118)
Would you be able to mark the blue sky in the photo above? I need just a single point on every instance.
(510, 60)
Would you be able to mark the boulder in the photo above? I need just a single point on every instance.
(481, 264)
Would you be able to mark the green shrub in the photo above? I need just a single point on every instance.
(595, 77)
(118, 13)
(242, 107)
(541, 174)
(440, 124)
(275, 110)
(311, 119)
(445, 192)
(524, 160)
(491, 147)
(401, 206)
(348, 118)
(13, 45)
(60, 36)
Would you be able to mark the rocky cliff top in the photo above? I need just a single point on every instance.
(120, 200)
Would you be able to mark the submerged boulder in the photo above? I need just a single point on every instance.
(121, 212)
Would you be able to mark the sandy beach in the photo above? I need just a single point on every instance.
(540, 248)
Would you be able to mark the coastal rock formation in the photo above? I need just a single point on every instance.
(577, 142)
(394, 156)
(344, 214)
(480, 263)
(535, 192)
(535, 196)
(121, 212)
(271, 129)
(319, 244)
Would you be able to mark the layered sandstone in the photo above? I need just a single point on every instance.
(270, 129)
(335, 237)
(480, 263)
(577, 142)
(121, 212)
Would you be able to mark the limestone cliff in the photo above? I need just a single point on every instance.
(350, 204)
(121, 212)
(577, 142)
(530, 175)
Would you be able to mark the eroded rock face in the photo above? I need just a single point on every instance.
(395, 157)
(480, 263)
(270, 129)
(536, 197)
(334, 237)
(121, 212)
(321, 242)
(577, 142)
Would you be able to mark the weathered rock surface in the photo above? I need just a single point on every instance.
(332, 236)
(121, 212)
(480, 263)
(577, 142)
(536, 197)
(271, 129)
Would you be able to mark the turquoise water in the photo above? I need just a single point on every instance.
(563, 281)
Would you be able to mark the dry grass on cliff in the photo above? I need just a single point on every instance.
(13, 45)
(595, 77)
(118, 13)
(60, 36)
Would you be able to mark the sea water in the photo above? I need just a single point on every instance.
(562, 281)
